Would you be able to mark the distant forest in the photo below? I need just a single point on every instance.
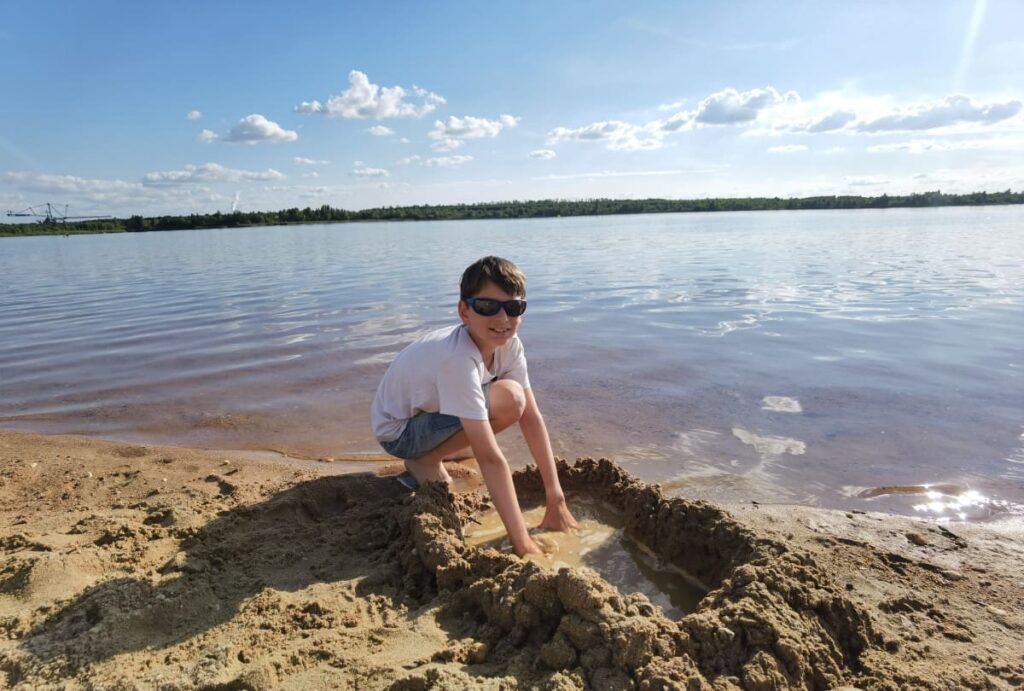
(525, 209)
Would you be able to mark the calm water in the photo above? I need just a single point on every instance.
(845, 359)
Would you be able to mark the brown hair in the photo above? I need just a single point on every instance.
(500, 272)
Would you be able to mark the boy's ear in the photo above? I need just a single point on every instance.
(463, 309)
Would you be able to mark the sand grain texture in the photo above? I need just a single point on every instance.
(129, 566)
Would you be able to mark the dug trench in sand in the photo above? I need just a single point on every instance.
(148, 567)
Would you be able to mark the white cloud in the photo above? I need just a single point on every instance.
(732, 107)
(450, 134)
(380, 131)
(676, 122)
(834, 150)
(311, 174)
(614, 174)
(953, 110)
(309, 107)
(447, 144)
(403, 140)
(362, 99)
(207, 136)
(787, 148)
(193, 115)
(42, 182)
(543, 154)
(828, 123)
(255, 128)
(726, 107)
(299, 160)
(672, 106)
(409, 160)
(921, 146)
(446, 161)
(207, 173)
(370, 173)
(620, 136)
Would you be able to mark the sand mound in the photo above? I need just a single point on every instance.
(772, 618)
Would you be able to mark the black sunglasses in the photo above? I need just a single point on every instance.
(488, 307)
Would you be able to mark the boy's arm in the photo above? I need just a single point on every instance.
(556, 514)
(498, 479)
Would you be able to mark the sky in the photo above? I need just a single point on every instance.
(121, 108)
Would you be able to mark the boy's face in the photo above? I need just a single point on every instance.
(490, 332)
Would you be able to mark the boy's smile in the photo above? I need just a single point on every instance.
(489, 333)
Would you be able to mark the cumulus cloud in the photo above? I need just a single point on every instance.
(726, 107)
(255, 128)
(450, 134)
(194, 115)
(447, 161)
(207, 136)
(732, 107)
(619, 135)
(953, 110)
(207, 173)
(370, 173)
(543, 154)
(447, 144)
(828, 123)
(409, 160)
(363, 99)
(787, 149)
(676, 122)
(380, 131)
(302, 161)
(309, 107)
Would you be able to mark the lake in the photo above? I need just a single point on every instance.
(868, 360)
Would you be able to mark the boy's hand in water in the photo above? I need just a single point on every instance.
(558, 518)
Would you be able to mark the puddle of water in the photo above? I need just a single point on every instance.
(601, 545)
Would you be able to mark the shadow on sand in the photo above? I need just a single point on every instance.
(327, 530)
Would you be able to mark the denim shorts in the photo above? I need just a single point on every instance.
(424, 433)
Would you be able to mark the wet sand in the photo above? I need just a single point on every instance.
(134, 566)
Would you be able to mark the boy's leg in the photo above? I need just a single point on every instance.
(506, 403)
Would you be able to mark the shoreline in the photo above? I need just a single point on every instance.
(145, 565)
(513, 211)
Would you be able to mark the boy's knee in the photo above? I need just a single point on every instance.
(507, 398)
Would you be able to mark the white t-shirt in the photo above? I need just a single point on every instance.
(442, 372)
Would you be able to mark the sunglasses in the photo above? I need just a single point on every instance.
(488, 307)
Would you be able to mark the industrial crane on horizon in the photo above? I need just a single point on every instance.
(50, 213)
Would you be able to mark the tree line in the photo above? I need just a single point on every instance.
(547, 208)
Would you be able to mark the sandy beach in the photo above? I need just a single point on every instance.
(130, 566)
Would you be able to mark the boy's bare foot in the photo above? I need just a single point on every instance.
(425, 471)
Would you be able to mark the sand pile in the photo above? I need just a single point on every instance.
(127, 566)
(772, 618)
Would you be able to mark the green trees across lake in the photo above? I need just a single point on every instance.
(547, 208)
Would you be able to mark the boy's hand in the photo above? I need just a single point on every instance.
(558, 518)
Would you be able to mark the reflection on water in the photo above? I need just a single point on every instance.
(781, 404)
(946, 502)
(599, 544)
(751, 356)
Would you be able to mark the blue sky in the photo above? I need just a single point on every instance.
(128, 107)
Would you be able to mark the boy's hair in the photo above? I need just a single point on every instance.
(500, 272)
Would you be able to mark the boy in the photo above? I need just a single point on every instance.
(449, 393)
